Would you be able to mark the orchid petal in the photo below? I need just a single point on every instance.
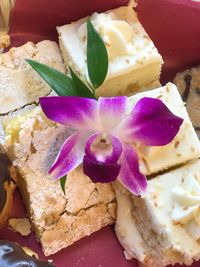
(112, 111)
(151, 123)
(75, 112)
(103, 148)
(70, 155)
(99, 171)
(130, 175)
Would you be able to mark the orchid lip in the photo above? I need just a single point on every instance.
(100, 172)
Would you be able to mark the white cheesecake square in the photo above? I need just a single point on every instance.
(134, 61)
(169, 213)
(183, 148)
(162, 227)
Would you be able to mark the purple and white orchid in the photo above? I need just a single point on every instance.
(106, 137)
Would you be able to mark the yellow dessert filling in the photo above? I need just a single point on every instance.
(13, 125)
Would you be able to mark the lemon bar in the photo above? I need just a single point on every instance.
(58, 219)
(134, 61)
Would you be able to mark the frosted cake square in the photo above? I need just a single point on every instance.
(134, 61)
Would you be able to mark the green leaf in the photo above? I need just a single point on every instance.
(97, 56)
(59, 82)
(80, 86)
(63, 182)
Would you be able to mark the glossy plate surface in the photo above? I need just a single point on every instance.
(174, 27)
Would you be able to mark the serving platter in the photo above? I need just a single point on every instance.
(173, 25)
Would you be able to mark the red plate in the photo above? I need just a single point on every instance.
(174, 27)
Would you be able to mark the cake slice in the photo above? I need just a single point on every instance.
(134, 62)
(59, 220)
(167, 215)
(184, 147)
(20, 85)
(162, 227)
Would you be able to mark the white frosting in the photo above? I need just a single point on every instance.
(133, 49)
(171, 197)
(187, 204)
(117, 35)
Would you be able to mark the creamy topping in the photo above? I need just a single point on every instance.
(117, 35)
(187, 205)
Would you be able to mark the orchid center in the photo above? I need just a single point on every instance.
(102, 147)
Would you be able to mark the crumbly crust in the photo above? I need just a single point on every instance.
(58, 220)
(188, 83)
(20, 225)
(20, 84)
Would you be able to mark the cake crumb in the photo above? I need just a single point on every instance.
(20, 225)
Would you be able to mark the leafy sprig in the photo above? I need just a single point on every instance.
(97, 56)
(97, 65)
(62, 183)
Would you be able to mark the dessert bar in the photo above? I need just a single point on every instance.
(134, 61)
